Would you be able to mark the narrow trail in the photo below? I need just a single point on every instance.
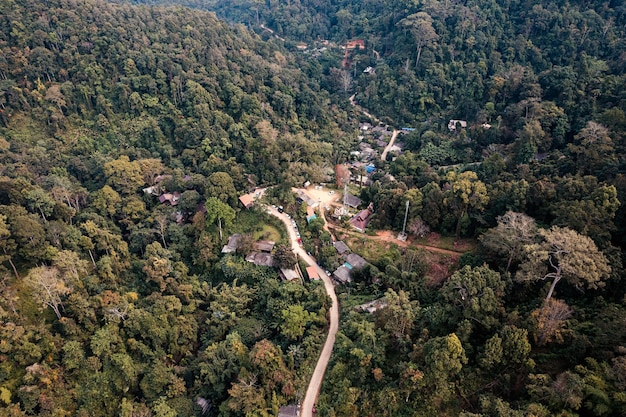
(315, 384)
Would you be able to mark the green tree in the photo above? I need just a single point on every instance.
(124, 175)
(478, 293)
(284, 257)
(564, 254)
(295, 319)
(421, 27)
(39, 200)
(398, 317)
(228, 304)
(106, 200)
(444, 358)
(220, 185)
(218, 211)
(463, 192)
(593, 150)
(7, 244)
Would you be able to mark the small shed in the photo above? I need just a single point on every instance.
(264, 246)
(289, 274)
(341, 247)
(312, 273)
(233, 243)
(247, 200)
(289, 411)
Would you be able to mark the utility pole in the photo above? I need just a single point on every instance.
(402, 236)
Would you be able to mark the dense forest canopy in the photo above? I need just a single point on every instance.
(128, 133)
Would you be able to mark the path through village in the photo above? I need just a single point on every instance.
(315, 383)
(322, 363)
(394, 134)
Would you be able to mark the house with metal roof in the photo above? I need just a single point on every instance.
(341, 247)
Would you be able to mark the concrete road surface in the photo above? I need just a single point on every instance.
(318, 374)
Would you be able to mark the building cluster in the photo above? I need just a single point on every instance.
(261, 255)
(171, 198)
(352, 261)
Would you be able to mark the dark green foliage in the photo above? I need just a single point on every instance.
(114, 302)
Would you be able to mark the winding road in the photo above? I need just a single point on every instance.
(394, 135)
(322, 363)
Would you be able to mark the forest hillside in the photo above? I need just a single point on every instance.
(128, 274)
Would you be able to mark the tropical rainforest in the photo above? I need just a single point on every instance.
(128, 130)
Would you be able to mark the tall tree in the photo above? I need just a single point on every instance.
(218, 211)
(420, 25)
(478, 294)
(462, 192)
(7, 244)
(295, 320)
(49, 287)
(564, 254)
(514, 230)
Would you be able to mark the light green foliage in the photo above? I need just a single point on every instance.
(444, 358)
(124, 175)
(217, 211)
(398, 317)
(99, 99)
(564, 254)
(463, 192)
(295, 320)
(507, 349)
(220, 186)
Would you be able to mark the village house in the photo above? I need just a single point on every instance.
(247, 200)
(289, 274)
(453, 122)
(362, 219)
(352, 261)
(261, 258)
(264, 246)
(171, 198)
(351, 200)
(312, 273)
(303, 196)
(234, 241)
(355, 261)
(342, 275)
(341, 247)
(310, 214)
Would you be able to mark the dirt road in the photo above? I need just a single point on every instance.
(318, 374)
(394, 135)
(388, 236)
